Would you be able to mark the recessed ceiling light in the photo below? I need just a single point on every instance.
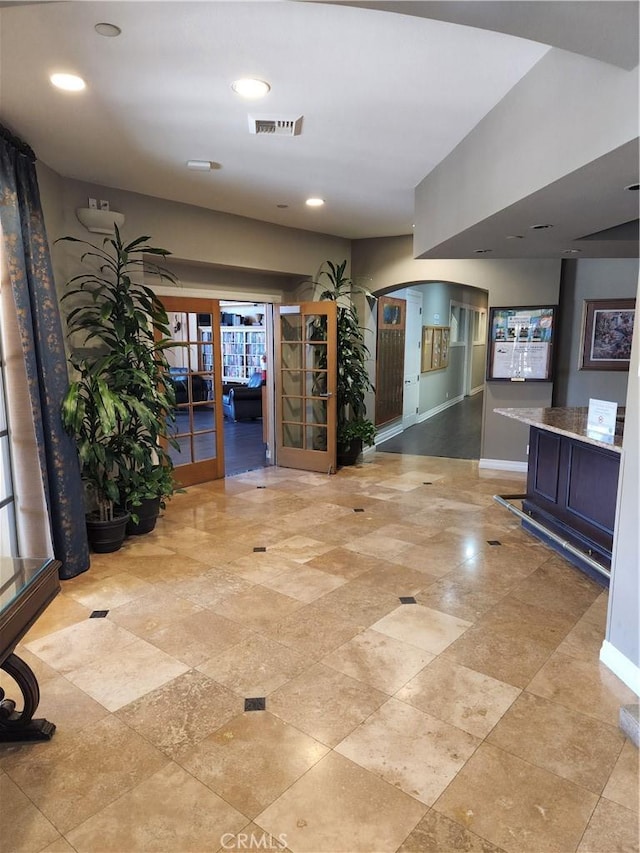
(571, 251)
(633, 188)
(314, 202)
(248, 87)
(481, 251)
(109, 31)
(540, 227)
(515, 237)
(202, 165)
(68, 82)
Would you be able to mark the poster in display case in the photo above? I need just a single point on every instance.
(521, 344)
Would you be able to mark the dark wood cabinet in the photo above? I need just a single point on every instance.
(571, 489)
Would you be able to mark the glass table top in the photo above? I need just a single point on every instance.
(16, 574)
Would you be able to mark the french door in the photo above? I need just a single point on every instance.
(196, 376)
(306, 379)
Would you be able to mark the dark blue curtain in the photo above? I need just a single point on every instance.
(27, 259)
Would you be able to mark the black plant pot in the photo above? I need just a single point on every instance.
(107, 536)
(348, 454)
(147, 513)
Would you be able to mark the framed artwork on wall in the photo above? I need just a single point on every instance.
(392, 313)
(607, 334)
(521, 344)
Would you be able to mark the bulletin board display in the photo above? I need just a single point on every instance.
(521, 344)
(435, 348)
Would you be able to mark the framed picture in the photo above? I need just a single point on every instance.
(521, 344)
(607, 334)
(435, 348)
(391, 313)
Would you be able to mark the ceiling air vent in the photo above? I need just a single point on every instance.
(275, 125)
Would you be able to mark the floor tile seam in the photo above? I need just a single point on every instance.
(289, 725)
(355, 677)
(229, 649)
(480, 738)
(634, 814)
(120, 792)
(358, 767)
(466, 828)
(582, 788)
(588, 823)
(611, 726)
(413, 829)
(90, 663)
(421, 648)
(533, 763)
(33, 803)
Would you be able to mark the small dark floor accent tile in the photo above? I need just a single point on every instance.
(258, 703)
(261, 487)
(408, 599)
(493, 542)
(428, 483)
(98, 614)
(259, 550)
(358, 509)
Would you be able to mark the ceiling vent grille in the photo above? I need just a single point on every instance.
(275, 125)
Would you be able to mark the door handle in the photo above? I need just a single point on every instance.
(325, 396)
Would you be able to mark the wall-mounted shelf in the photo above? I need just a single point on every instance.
(99, 221)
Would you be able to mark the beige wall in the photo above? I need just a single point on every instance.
(203, 238)
(388, 263)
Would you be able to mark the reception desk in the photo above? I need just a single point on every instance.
(572, 485)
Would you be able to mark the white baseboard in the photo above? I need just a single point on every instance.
(368, 450)
(503, 465)
(626, 670)
(476, 390)
(424, 416)
(389, 432)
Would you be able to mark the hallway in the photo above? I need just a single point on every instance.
(454, 433)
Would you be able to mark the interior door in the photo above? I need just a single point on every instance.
(306, 379)
(196, 374)
(413, 340)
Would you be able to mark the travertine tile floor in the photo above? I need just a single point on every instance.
(476, 719)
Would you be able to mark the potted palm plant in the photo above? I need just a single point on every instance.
(121, 405)
(354, 429)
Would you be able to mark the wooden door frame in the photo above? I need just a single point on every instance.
(300, 458)
(199, 472)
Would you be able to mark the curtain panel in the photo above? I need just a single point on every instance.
(28, 266)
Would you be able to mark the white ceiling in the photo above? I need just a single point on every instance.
(385, 97)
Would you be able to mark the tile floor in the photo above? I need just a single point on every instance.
(476, 719)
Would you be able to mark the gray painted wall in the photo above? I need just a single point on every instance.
(589, 279)
(440, 386)
(478, 365)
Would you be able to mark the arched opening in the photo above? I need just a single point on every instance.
(441, 383)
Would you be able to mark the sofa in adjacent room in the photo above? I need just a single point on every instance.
(242, 402)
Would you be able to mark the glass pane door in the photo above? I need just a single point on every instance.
(306, 385)
(194, 373)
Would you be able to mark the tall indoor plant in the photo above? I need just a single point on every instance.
(120, 404)
(354, 429)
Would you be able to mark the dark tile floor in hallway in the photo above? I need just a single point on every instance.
(454, 433)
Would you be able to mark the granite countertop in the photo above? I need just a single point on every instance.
(570, 421)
